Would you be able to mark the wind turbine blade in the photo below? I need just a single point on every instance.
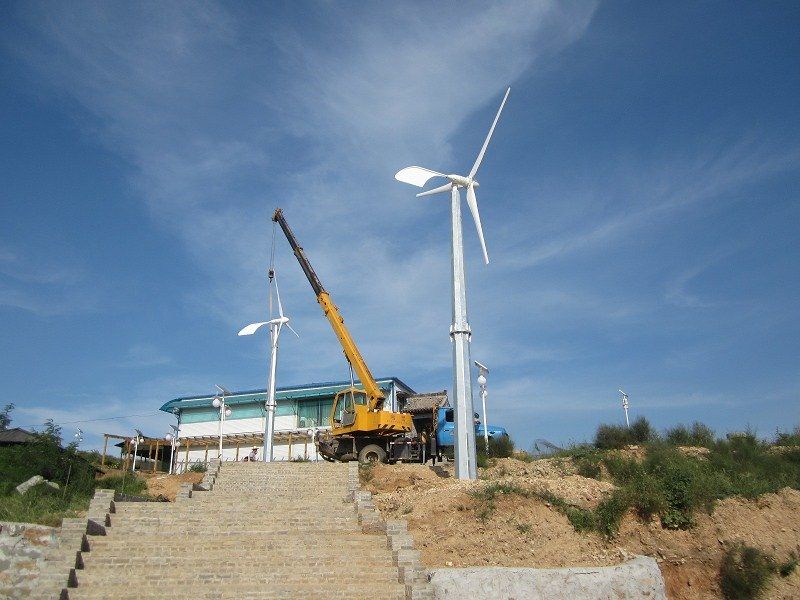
(292, 330)
(472, 202)
(417, 176)
(488, 137)
(278, 296)
(251, 329)
(445, 188)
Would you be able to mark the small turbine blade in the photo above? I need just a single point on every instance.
(445, 188)
(251, 329)
(278, 296)
(417, 176)
(478, 160)
(472, 202)
(292, 330)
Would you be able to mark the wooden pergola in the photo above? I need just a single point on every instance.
(243, 440)
(150, 447)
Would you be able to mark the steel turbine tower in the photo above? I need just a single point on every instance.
(466, 465)
(275, 326)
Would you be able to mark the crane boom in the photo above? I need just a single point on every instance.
(375, 396)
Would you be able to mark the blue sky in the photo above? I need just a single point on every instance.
(639, 200)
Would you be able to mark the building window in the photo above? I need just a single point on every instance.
(314, 413)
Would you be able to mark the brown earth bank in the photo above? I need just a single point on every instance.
(160, 484)
(453, 528)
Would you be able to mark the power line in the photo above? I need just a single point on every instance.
(94, 420)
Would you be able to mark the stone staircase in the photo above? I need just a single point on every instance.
(256, 530)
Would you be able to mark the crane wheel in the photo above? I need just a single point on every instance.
(372, 454)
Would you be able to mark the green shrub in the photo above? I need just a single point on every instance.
(622, 470)
(612, 437)
(696, 435)
(501, 447)
(788, 567)
(198, 467)
(788, 438)
(124, 484)
(609, 513)
(745, 573)
(641, 432)
(587, 461)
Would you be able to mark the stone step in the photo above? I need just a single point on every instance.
(297, 573)
(186, 543)
(310, 591)
(361, 558)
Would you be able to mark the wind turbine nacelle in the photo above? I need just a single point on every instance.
(461, 181)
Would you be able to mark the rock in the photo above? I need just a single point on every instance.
(26, 485)
(52, 484)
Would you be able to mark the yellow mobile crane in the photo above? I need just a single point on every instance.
(360, 428)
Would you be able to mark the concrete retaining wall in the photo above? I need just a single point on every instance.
(638, 578)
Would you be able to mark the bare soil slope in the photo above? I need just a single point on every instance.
(453, 528)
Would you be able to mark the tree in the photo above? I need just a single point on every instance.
(5, 419)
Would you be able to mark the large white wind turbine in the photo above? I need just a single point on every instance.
(466, 466)
(275, 326)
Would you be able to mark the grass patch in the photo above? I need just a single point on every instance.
(198, 467)
(487, 494)
(41, 504)
(745, 573)
(124, 484)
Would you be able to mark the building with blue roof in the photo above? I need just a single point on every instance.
(301, 411)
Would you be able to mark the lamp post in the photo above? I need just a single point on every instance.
(172, 438)
(136, 440)
(484, 371)
(625, 407)
(224, 411)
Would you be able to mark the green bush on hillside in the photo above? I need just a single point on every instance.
(614, 437)
(696, 435)
(745, 573)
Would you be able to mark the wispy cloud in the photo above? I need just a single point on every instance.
(654, 193)
(144, 355)
(43, 287)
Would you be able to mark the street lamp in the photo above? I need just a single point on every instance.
(173, 440)
(484, 371)
(135, 441)
(625, 407)
(224, 411)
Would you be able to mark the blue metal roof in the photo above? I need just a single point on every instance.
(307, 391)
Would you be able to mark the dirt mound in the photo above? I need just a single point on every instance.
(454, 526)
(168, 485)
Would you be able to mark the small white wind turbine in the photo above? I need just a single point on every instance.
(275, 326)
(466, 464)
